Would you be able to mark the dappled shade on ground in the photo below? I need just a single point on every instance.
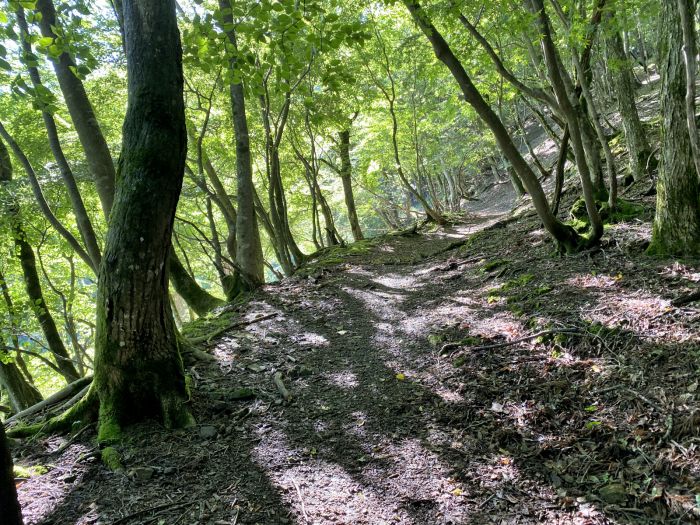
(388, 425)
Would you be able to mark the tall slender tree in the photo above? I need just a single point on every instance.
(346, 177)
(25, 255)
(248, 248)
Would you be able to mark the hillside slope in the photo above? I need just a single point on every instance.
(456, 376)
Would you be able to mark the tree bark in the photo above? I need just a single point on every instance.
(20, 391)
(249, 255)
(559, 173)
(620, 73)
(574, 120)
(686, 9)
(138, 368)
(677, 222)
(346, 178)
(9, 506)
(25, 254)
(287, 250)
(81, 111)
(22, 395)
(185, 285)
(84, 224)
(14, 324)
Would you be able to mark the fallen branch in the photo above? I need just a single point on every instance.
(173, 505)
(207, 338)
(70, 390)
(72, 401)
(543, 333)
(686, 299)
(277, 378)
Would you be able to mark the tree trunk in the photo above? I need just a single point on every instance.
(82, 114)
(25, 254)
(9, 506)
(686, 9)
(515, 181)
(138, 367)
(22, 395)
(595, 121)
(346, 177)
(574, 118)
(249, 255)
(677, 221)
(41, 200)
(185, 285)
(559, 173)
(21, 392)
(620, 73)
(14, 324)
(287, 250)
(84, 224)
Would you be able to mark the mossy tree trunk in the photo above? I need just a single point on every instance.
(189, 289)
(81, 111)
(346, 177)
(249, 256)
(138, 367)
(621, 77)
(10, 511)
(35, 294)
(677, 221)
(576, 121)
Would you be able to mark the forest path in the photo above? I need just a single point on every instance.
(383, 429)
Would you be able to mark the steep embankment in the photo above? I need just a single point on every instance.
(422, 394)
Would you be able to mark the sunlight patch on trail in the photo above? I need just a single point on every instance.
(398, 282)
(321, 492)
(345, 379)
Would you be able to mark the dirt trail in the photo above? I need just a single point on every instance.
(383, 429)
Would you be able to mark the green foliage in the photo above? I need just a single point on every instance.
(315, 68)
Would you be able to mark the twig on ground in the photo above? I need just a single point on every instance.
(68, 443)
(207, 338)
(277, 378)
(645, 399)
(686, 299)
(172, 505)
(301, 500)
(451, 346)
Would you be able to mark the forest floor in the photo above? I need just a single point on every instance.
(421, 395)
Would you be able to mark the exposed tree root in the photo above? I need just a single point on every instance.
(207, 338)
(83, 412)
(88, 409)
